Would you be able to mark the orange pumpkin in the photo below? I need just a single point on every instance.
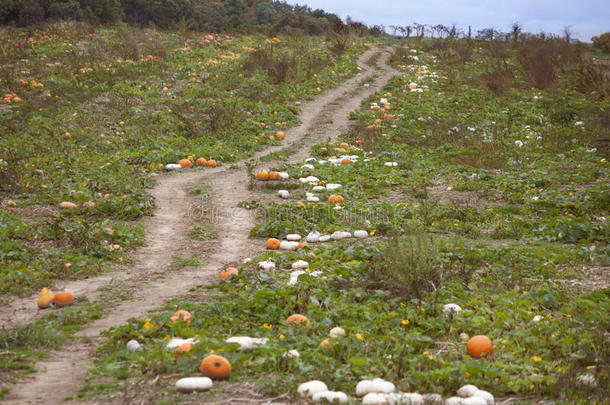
(262, 175)
(201, 162)
(302, 245)
(336, 199)
(280, 134)
(323, 149)
(216, 367)
(226, 273)
(273, 243)
(211, 163)
(181, 314)
(67, 204)
(274, 175)
(182, 349)
(479, 346)
(327, 344)
(343, 145)
(297, 320)
(345, 161)
(64, 298)
(185, 163)
(45, 298)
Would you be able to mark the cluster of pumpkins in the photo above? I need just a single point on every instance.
(213, 367)
(183, 163)
(271, 175)
(46, 298)
(64, 205)
(381, 392)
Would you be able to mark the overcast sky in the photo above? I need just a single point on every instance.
(585, 17)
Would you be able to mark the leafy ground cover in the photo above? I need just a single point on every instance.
(495, 202)
(102, 109)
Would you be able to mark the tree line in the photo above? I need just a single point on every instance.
(204, 15)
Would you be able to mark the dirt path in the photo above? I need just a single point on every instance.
(62, 374)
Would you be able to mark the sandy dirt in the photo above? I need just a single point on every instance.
(62, 374)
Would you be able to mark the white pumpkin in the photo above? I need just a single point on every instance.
(374, 398)
(246, 342)
(433, 399)
(172, 166)
(283, 194)
(467, 391)
(487, 396)
(292, 354)
(284, 175)
(451, 308)
(311, 198)
(294, 276)
(330, 396)
(192, 384)
(361, 234)
(391, 164)
(288, 245)
(377, 385)
(332, 186)
(307, 167)
(246, 260)
(309, 179)
(311, 160)
(134, 346)
(293, 236)
(318, 188)
(454, 401)
(309, 388)
(337, 235)
(336, 332)
(266, 265)
(300, 264)
(313, 237)
(474, 401)
(324, 238)
(405, 398)
(175, 342)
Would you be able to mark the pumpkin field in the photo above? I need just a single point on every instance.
(191, 217)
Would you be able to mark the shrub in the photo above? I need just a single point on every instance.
(602, 42)
(536, 57)
(408, 265)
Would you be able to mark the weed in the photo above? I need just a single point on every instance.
(408, 266)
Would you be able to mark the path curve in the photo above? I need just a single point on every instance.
(62, 374)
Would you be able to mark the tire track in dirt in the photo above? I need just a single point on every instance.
(62, 374)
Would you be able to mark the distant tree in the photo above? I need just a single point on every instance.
(31, 12)
(488, 34)
(567, 33)
(318, 13)
(602, 42)
(209, 16)
(264, 13)
(516, 31)
(419, 29)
